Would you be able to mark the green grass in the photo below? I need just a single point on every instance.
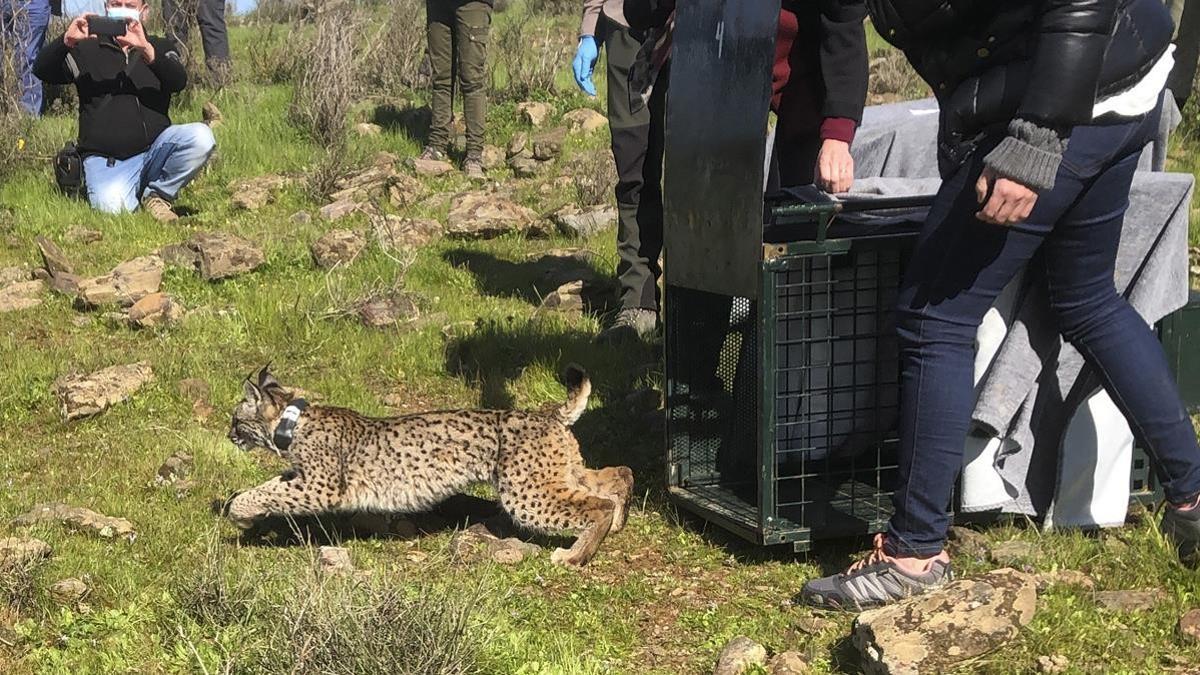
(663, 596)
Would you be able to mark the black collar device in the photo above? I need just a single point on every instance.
(287, 423)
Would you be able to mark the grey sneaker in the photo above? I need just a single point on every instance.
(159, 209)
(876, 580)
(473, 168)
(636, 323)
(433, 154)
(1183, 527)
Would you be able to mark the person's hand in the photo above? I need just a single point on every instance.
(584, 63)
(835, 166)
(77, 30)
(1005, 201)
(135, 38)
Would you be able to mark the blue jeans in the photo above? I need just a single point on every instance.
(959, 267)
(23, 26)
(175, 157)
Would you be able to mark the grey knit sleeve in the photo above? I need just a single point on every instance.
(1030, 154)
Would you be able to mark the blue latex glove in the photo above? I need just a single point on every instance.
(585, 62)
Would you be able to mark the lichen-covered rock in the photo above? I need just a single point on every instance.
(337, 247)
(78, 519)
(1143, 600)
(535, 113)
(221, 255)
(394, 233)
(87, 395)
(21, 295)
(129, 282)
(932, 632)
(476, 544)
(484, 215)
(18, 552)
(739, 656)
(585, 120)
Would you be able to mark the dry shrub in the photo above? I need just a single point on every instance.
(274, 58)
(595, 178)
(18, 585)
(553, 7)
(281, 11)
(893, 79)
(325, 91)
(526, 57)
(394, 51)
(14, 125)
(323, 176)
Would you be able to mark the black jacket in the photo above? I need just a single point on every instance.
(1045, 61)
(124, 104)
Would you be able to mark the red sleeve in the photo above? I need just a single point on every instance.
(838, 129)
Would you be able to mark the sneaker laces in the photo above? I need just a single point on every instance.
(876, 556)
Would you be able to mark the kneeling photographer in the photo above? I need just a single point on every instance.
(132, 154)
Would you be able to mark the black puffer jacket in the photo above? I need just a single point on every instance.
(1044, 62)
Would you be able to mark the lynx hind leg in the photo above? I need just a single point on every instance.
(614, 483)
(276, 497)
(562, 506)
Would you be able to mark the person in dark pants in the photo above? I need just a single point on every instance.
(1186, 15)
(214, 35)
(1013, 187)
(458, 38)
(23, 26)
(637, 148)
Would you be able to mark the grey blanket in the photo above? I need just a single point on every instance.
(1036, 382)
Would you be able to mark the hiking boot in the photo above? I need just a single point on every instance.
(473, 168)
(1182, 526)
(159, 209)
(630, 324)
(432, 154)
(873, 581)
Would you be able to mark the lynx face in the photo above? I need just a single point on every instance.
(251, 426)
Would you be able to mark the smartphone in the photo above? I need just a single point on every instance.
(106, 25)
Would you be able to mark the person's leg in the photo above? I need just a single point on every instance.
(113, 186)
(175, 158)
(1187, 51)
(214, 36)
(440, 35)
(30, 26)
(631, 133)
(473, 20)
(1113, 338)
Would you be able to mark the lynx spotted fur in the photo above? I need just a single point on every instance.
(344, 461)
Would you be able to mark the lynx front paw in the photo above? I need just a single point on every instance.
(565, 557)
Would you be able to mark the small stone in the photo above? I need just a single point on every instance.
(337, 247)
(518, 146)
(65, 284)
(937, 630)
(572, 223)
(86, 395)
(567, 298)
(384, 159)
(739, 656)
(156, 309)
(222, 255)
(1132, 601)
(334, 560)
(788, 663)
(211, 115)
(966, 542)
(21, 295)
(526, 167)
(483, 215)
(180, 255)
(394, 233)
(83, 235)
(416, 556)
(368, 130)
(374, 183)
(53, 258)
(11, 275)
(254, 193)
(78, 519)
(585, 120)
(493, 157)
(534, 113)
(21, 553)
(388, 310)
(194, 389)
(175, 468)
(1053, 664)
(1073, 578)
(339, 210)
(129, 282)
(548, 145)
(1013, 553)
(69, 591)
(508, 556)
(812, 625)
(302, 217)
(431, 167)
(1189, 626)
